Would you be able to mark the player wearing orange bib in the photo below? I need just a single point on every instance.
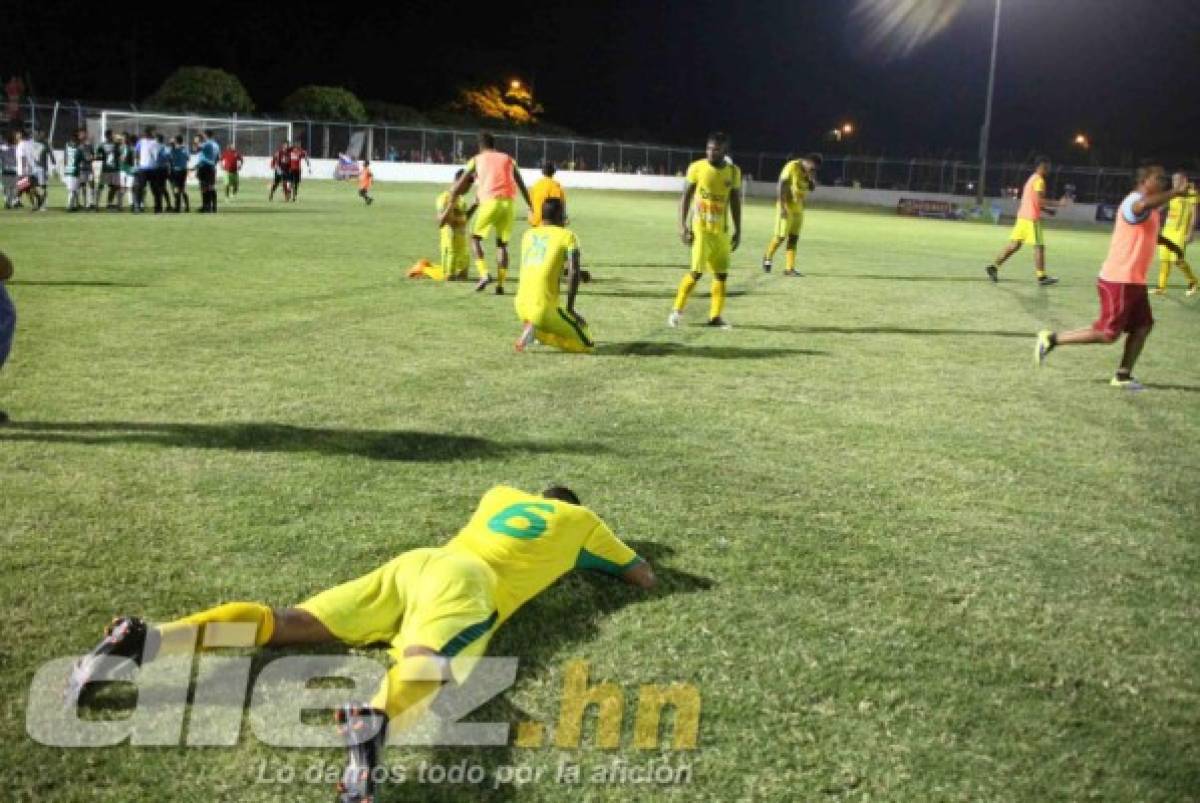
(497, 180)
(714, 183)
(1028, 228)
(1124, 303)
(437, 608)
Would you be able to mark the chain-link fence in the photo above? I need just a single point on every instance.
(428, 145)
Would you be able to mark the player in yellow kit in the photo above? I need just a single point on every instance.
(543, 189)
(714, 183)
(1176, 232)
(452, 216)
(796, 180)
(544, 251)
(435, 607)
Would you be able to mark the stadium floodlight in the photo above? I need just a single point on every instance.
(1082, 141)
(251, 137)
(987, 114)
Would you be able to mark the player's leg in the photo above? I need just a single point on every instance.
(1015, 241)
(1113, 319)
(1165, 258)
(562, 330)
(795, 222)
(8, 327)
(778, 237)
(505, 215)
(718, 255)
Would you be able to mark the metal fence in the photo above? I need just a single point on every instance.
(449, 146)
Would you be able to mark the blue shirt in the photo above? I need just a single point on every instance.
(179, 158)
(162, 159)
(210, 152)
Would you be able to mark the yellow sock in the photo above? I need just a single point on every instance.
(501, 275)
(177, 636)
(773, 247)
(718, 299)
(1187, 271)
(1040, 273)
(685, 289)
(408, 688)
(791, 259)
(481, 266)
(1164, 271)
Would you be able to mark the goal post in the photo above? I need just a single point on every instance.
(250, 136)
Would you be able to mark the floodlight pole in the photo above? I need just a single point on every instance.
(987, 113)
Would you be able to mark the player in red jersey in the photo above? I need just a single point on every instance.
(231, 163)
(281, 163)
(296, 155)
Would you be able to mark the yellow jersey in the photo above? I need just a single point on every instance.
(544, 252)
(539, 192)
(456, 226)
(714, 186)
(530, 541)
(797, 178)
(1180, 214)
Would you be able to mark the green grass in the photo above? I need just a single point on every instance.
(899, 563)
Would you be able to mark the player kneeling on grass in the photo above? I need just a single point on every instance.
(437, 608)
(544, 251)
(1124, 303)
(452, 216)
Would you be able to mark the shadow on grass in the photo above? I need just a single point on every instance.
(400, 445)
(665, 294)
(38, 283)
(883, 330)
(650, 348)
(891, 277)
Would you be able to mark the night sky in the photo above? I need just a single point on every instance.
(775, 75)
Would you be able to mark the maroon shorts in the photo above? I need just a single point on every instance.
(1123, 308)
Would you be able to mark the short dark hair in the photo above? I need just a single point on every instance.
(815, 158)
(108, 132)
(1147, 168)
(1041, 159)
(562, 493)
(486, 140)
(719, 137)
(548, 168)
(458, 173)
(208, 133)
(553, 211)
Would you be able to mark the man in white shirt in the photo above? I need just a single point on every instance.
(147, 149)
(26, 171)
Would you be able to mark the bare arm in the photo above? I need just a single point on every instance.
(521, 186)
(573, 281)
(640, 574)
(460, 187)
(735, 206)
(685, 213)
(1156, 199)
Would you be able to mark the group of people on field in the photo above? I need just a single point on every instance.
(102, 175)
(286, 163)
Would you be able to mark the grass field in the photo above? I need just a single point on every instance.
(898, 562)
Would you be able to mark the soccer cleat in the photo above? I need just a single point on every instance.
(718, 323)
(1128, 382)
(1044, 346)
(1159, 291)
(992, 273)
(1046, 281)
(125, 637)
(3, 418)
(767, 266)
(674, 319)
(525, 339)
(499, 289)
(792, 272)
(482, 284)
(1191, 291)
(365, 732)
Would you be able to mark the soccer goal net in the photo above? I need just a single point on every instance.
(251, 137)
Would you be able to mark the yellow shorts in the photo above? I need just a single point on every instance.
(496, 214)
(789, 226)
(1027, 231)
(432, 598)
(1167, 255)
(558, 328)
(456, 258)
(711, 251)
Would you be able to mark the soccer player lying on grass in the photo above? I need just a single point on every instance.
(544, 251)
(1124, 304)
(436, 607)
